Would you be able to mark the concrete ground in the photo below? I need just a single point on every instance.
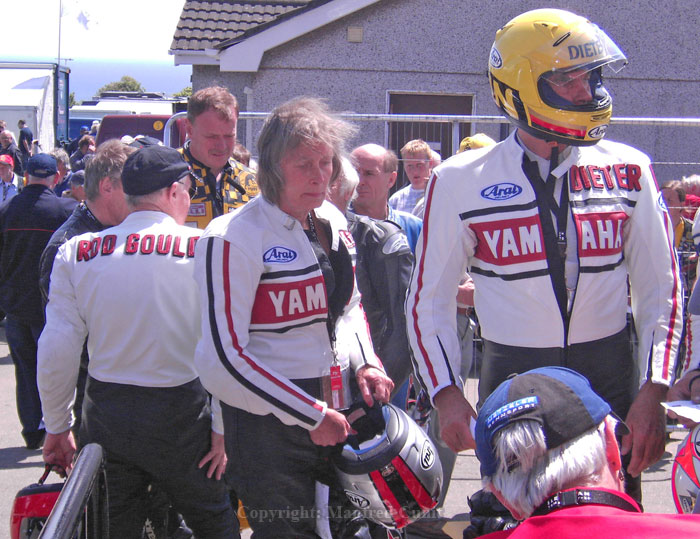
(20, 467)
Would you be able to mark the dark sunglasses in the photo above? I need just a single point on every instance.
(192, 189)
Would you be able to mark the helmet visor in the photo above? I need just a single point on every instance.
(584, 47)
(573, 80)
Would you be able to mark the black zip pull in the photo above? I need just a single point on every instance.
(561, 243)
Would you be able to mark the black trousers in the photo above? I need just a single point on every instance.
(156, 436)
(607, 364)
(274, 468)
(22, 338)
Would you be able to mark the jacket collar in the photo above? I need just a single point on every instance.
(572, 155)
(193, 160)
(323, 212)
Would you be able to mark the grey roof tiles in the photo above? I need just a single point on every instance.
(205, 25)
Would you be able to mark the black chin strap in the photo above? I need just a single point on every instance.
(582, 496)
(561, 210)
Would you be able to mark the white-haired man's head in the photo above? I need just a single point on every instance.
(542, 432)
(341, 191)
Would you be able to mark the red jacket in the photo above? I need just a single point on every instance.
(603, 522)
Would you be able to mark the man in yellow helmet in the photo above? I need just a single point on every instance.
(551, 223)
(223, 184)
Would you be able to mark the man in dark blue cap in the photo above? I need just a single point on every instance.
(132, 285)
(548, 451)
(26, 224)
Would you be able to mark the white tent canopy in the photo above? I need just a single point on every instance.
(25, 94)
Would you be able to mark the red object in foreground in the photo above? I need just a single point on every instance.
(32, 507)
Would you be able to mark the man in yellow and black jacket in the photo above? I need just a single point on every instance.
(222, 183)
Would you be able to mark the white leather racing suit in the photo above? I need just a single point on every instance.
(93, 288)
(265, 312)
(130, 290)
(482, 216)
(692, 351)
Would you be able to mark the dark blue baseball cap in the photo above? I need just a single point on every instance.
(559, 399)
(42, 165)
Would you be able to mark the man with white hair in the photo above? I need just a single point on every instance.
(340, 192)
(63, 163)
(548, 451)
(9, 147)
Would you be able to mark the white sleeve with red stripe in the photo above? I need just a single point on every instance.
(656, 290)
(431, 303)
(228, 278)
(692, 339)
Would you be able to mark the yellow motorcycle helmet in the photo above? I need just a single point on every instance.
(540, 52)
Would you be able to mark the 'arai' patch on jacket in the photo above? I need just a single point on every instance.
(501, 191)
(279, 255)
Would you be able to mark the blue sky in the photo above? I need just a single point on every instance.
(100, 41)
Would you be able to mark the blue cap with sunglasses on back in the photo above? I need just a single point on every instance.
(560, 399)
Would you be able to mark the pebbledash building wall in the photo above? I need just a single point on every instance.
(365, 56)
